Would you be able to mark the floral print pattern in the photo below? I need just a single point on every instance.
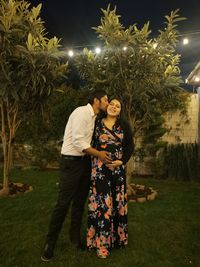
(107, 207)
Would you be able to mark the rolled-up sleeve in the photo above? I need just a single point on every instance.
(80, 138)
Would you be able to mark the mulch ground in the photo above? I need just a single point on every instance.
(18, 188)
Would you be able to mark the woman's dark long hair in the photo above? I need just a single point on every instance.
(121, 120)
(123, 123)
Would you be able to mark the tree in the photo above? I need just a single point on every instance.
(142, 71)
(45, 133)
(30, 69)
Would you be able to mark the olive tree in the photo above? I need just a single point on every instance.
(142, 70)
(30, 69)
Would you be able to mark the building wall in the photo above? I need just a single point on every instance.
(183, 129)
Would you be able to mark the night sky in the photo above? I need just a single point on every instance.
(72, 21)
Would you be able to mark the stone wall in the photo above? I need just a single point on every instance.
(183, 129)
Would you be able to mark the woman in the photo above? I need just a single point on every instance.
(107, 217)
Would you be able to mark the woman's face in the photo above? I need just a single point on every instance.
(114, 108)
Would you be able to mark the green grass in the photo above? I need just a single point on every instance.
(162, 233)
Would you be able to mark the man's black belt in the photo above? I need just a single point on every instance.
(73, 157)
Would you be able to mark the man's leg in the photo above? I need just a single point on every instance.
(78, 203)
(70, 173)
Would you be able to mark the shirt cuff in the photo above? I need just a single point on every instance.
(82, 146)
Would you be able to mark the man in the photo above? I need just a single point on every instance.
(75, 171)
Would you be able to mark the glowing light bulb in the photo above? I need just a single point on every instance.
(97, 50)
(70, 53)
(185, 41)
(155, 45)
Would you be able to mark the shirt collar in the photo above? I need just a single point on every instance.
(90, 108)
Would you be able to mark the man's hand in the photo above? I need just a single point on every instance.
(114, 164)
(104, 156)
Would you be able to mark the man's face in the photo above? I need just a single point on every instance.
(103, 103)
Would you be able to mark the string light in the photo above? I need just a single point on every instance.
(155, 45)
(97, 50)
(70, 53)
(185, 41)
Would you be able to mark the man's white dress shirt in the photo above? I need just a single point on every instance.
(78, 131)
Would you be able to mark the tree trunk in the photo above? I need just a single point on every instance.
(5, 189)
(9, 117)
(130, 170)
(130, 165)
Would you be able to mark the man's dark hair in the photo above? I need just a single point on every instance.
(96, 94)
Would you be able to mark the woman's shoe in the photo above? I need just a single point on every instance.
(102, 256)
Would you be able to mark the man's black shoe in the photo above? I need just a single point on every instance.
(47, 253)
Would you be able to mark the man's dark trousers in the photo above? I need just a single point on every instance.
(75, 175)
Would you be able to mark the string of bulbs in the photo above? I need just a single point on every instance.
(97, 50)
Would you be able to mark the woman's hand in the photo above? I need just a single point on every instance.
(116, 163)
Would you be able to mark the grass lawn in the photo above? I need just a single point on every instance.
(162, 233)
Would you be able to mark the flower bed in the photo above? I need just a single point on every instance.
(18, 188)
(140, 193)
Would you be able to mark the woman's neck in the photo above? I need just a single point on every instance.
(109, 121)
(109, 118)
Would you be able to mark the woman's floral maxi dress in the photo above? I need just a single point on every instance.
(107, 217)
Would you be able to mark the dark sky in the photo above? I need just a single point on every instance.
(72, 21)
